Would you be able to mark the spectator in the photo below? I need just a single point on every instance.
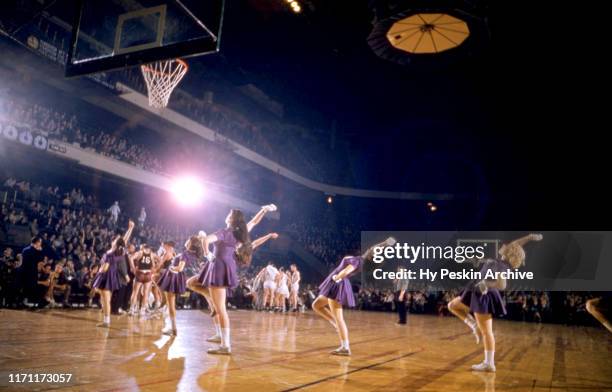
(114, 212)
(60, 285)
(43, 284)
(142, 217)
(31, 256)
(9, 280)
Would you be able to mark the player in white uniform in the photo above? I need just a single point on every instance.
(295, 287)
(269, 285)
(282, 292)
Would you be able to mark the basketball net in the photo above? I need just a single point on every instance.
(161, 78)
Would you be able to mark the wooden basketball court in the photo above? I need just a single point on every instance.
(274, 352)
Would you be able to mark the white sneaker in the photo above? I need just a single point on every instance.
(169, 331)
(483, 367)
(220, 351)
(341, 351)
(214, 339)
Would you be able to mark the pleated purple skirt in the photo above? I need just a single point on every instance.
(219, 273)
(203, 271)
(340, 292)
(108, 280)
(173, 282)
(489, 303)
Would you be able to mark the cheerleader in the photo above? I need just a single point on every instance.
(295, 287)
(173, 281)
(165, 254)
(142, 264)
(282, 292)
(110, 273)
(484, 300)
(194, 284)
(232, 246)
(336, 291)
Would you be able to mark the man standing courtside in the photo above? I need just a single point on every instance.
(31, 255)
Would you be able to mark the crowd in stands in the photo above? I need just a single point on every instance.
(65, 127)
(325, 240)
(288, 144)
(277, 141)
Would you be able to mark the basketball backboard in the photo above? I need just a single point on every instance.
(114, 34)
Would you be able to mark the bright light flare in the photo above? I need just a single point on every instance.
(188, 191)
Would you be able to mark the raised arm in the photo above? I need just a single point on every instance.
(261, 240)
(528, 238)
(388, 242)
(259, 216)
(128, 233)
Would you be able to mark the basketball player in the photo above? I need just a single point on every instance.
(282, 291)
(257, 290)
(483, 298)
(600, 308)
(173, 281)
(142, 263)
(270, 274)
(109, 275)
(295, 287)
(336, 291)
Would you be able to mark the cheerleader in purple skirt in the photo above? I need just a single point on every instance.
(113, 268)
(484, 299)
(336, 291)
(232, 246)
(173, 281)
(194, 284)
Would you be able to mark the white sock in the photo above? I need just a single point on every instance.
(217, 329)
(107, 319)
(489, 357)
(345, 344)
(225, 337)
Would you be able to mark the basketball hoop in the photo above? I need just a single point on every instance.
(161, 78)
